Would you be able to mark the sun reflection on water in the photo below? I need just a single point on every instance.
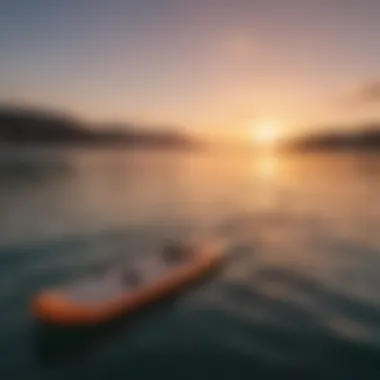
(266, 165)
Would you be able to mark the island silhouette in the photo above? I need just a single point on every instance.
(23, 125)
(360, 138)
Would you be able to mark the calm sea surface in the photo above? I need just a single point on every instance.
(298, 298)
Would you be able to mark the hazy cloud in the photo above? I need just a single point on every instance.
(366, 94)
(370, 92)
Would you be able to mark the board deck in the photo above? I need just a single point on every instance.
(118, 281)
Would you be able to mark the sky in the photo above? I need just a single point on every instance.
(214, 66)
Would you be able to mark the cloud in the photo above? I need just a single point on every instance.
(370, 92)
(366, 94)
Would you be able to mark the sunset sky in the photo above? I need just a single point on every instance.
(208, 65)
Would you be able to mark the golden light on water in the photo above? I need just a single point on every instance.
(267, 165)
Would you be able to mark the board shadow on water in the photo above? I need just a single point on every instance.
(56, 345)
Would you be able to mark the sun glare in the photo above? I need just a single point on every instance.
(265, 135)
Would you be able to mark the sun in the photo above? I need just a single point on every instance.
(265, 134)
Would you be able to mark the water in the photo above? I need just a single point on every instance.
(298, 299)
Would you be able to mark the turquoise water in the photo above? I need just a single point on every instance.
(298, 298)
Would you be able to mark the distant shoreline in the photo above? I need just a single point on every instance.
(365, 139)
(23, 126)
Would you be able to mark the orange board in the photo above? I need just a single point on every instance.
(101, 298)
